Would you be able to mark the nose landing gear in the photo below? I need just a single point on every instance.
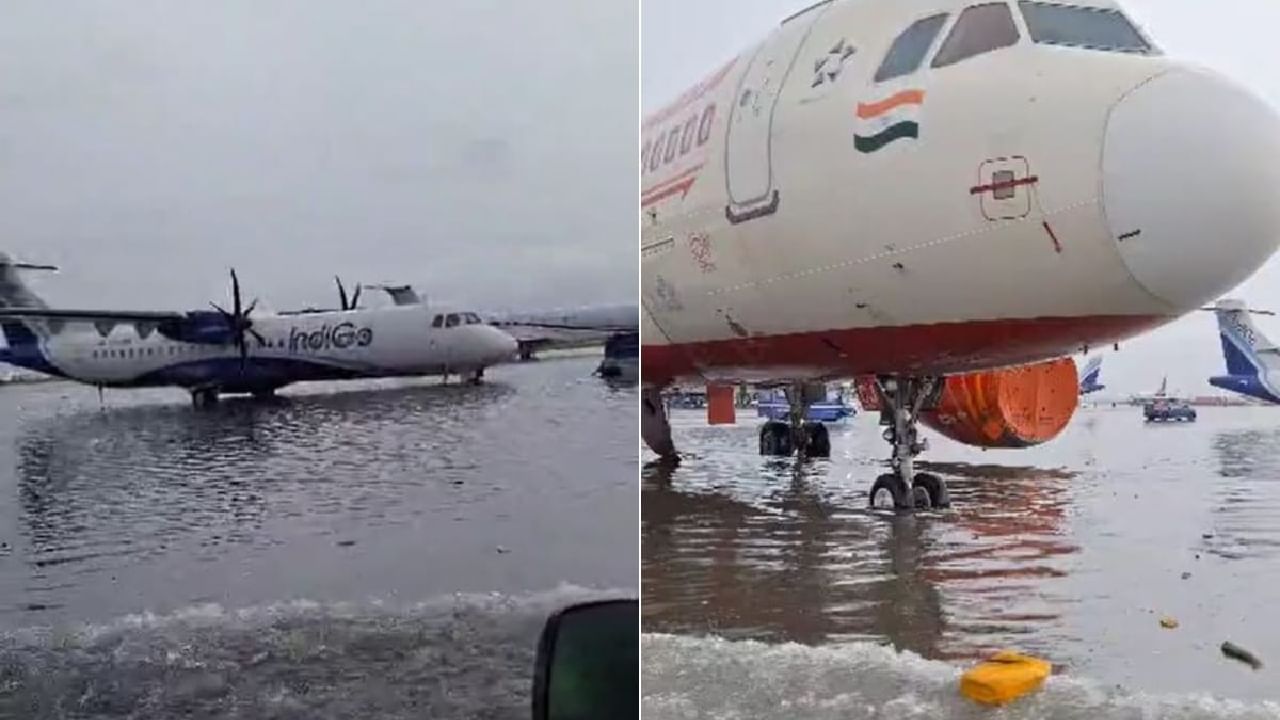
(799, 437)
(903, 489)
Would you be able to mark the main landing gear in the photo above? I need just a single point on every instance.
(654, 427)
(903, 489)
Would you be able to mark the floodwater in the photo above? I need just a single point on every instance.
(768, 583)
(387, 549)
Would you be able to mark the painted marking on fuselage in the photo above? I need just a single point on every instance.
(886, 121)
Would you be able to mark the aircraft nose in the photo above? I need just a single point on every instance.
(1191, 185)
(503, 345)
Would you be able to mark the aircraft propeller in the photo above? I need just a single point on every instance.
(238, 320)
(342, 295)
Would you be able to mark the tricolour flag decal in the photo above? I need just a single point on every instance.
(883, 122)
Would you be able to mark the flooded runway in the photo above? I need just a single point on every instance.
(767, 581)
(389, 549)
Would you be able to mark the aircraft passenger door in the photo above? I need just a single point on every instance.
(748, 143)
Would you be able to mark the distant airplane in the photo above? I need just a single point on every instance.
(576, 327)
(237, 351)
(1090, 375)
(943, 200)
(1250, 356)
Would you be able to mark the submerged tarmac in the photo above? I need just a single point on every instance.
(381, 549)
(769, 583)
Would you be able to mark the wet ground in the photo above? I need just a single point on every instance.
(769, 584)
(383, 549)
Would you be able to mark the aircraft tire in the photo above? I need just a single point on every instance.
(775, 439)
(892, 484)
(934, 490)
(817, 440)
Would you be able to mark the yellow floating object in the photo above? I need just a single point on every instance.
(1006, 676)
(1168, 623)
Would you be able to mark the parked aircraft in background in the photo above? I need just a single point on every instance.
(219, 351)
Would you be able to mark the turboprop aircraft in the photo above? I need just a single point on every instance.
(943, 200)
(218, 351)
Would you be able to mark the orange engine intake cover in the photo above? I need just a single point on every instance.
(1010, 408)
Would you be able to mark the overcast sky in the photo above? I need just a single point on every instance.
(683, 41)
(483, 150)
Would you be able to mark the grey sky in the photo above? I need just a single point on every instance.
(483, 150)
(683, 41)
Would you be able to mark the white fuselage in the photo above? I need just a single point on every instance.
(802, 220)
(384, 342)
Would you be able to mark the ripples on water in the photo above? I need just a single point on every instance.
(356, 500)
(1071, 551)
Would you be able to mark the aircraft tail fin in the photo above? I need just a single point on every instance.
(1246, 350)
(1090, 376)
(14, 293)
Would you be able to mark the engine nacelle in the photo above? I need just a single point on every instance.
(1010, 408)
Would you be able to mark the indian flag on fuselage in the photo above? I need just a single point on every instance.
(881, 122)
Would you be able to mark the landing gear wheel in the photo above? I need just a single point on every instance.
(204, 398)
(888, 492)
(817, 441)
(775, 439)
(930, 492)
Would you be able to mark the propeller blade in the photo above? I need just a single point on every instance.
(235, 292)
(355, 297)
(217, 307)
(342, 293)
(262, 342)
(249, 310)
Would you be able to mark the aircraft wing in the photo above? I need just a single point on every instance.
(121, 316)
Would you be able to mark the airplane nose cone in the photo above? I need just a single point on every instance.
(504, 346)
(1191, 185)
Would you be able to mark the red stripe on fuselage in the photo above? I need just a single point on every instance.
(942, 349)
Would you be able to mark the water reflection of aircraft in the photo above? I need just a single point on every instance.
(240, 351)
(1247, 496)
(793, 564)
(138, 478)
(867, 193)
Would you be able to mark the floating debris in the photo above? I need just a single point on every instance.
(345, 543)
(1186, 576)
(1005, 677)
(1235, 652)
(1168, 623)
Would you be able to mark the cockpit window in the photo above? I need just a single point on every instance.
(438, 321)
(980, 29)
(473, 319)
(908, 51)
(452, 320)
(1082, 27)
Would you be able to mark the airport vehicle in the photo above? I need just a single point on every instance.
(577, 327)
(621, 357)
(588, 663)
(1089, 376)
(774, 406)
(1168, 409)
(1250, 356)
(942, 200)
(240, 351)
